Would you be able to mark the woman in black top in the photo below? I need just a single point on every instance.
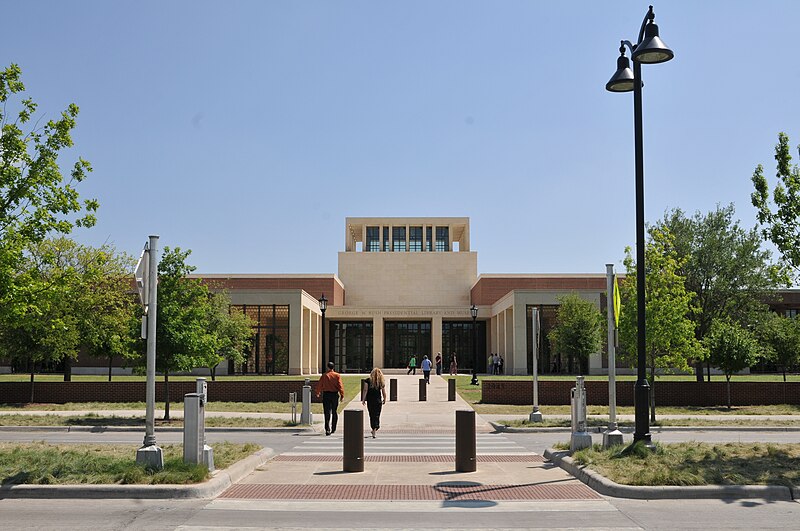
(374, 397)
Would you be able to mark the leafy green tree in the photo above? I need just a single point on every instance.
(578, 332)
(232, 331)
(183, 340)
(724, 265)
(670, 341)
(780, 221)
(732, 348)
(781, 337)
(36, 199)
(82, 303)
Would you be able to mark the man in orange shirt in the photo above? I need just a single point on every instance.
(331, 387)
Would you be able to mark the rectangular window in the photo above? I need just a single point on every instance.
(399, 239)
(415, 239)
(386, 239)
(442, 239)
(373, 239)
(428, 238)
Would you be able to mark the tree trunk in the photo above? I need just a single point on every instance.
(213, 371)
(708, 369)
(67, 369)
(166, 395)
(31, 365)
(110, 361)
(728, 378)
(698, 371)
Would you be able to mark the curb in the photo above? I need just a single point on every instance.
(606, 487)
(221, 480)
(653, 429)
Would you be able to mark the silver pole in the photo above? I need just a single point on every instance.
(152, 307)
(612, 436)
(536, 415)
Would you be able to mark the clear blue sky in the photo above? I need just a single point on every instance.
(248, 130)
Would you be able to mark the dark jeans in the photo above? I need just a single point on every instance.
(438, 368)
(330, 403)
(412, 369)
(427, 375)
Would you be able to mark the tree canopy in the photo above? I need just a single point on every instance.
(578, 332)
(36, 199)
(732, 348)
(670, 341)
(780, 217)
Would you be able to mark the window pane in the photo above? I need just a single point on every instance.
(442, 239)
(428, 238)
(399, 239)
(415, 239)
(386, 239)
(373, 239)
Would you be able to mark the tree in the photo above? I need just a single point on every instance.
(723, 265)
(183, 340)
(670, 341)
(780, 222)
(781, 337)
(578, 332)
(36, 200)
(232, 330)
(731, 348)
(81, 302)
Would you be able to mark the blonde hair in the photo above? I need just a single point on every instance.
(376, 378)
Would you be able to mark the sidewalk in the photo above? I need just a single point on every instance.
(412, 457)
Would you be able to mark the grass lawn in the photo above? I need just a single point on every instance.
(96, 420)
(695, 463)
(700, 422)
(50, 464)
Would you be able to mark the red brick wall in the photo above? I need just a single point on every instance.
(520, 392)
(222, 391)
(489, 290)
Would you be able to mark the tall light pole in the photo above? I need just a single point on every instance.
(323, 305)
(649, 49)
(474, 312)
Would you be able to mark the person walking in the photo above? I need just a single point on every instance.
(453, 365)
(438, 364)
(496, 368)
(490, 364)
(426, 369)
(331, 388)
(374, 397)
(412, 365)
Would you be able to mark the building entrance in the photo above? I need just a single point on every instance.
(403, 339)
(351, 345)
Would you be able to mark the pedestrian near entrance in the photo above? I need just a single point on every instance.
(374, 397)
(438, 364)
(500, 366)
(490, 364)
(453, 364)
(426, 368)
(496, 364)
(412, 365)
(331, 388)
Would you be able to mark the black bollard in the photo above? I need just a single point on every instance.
(423, 390)
(393, 390)
(353, 447)
(451, 390)
(466, 447)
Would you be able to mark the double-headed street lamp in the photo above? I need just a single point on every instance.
(323, 305)
(474, 312)
(649, 49)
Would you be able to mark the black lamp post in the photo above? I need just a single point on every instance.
(474, 312)
(323, 305)
(649, 49)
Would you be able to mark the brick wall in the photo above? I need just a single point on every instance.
(222, 391)
(520, 392)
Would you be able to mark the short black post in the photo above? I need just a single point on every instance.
(353, 448)
(423, 390)
(393, 390)
(451, 390)
(466, 447)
